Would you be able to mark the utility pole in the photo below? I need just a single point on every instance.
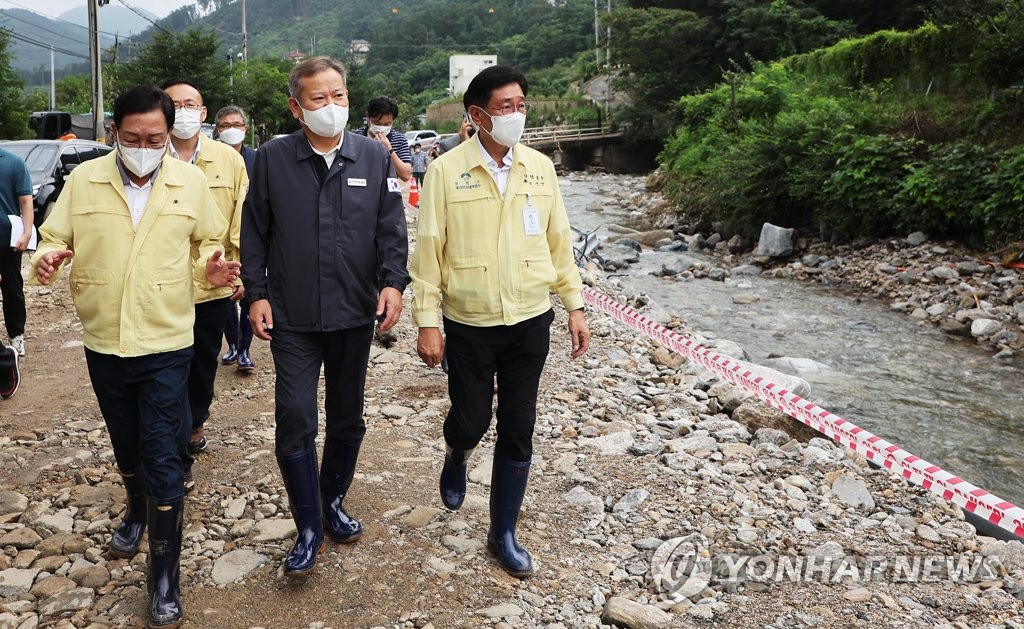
(53, 86)
(597, 40)
(245, 38)
(95, 67)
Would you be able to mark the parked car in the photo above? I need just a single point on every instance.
(424, 137)
(49, 162)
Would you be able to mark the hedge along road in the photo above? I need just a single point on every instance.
(942, 399)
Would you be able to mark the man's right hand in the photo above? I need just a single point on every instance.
(261, 318)
(49, 263)
(430, 346)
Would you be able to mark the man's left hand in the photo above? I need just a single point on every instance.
(221, 272)
(390, 305)
(579, 333)
(22, 243)
(239, 292)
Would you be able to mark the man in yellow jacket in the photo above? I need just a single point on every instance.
(131, 220)
(228, 182)
(493, 242)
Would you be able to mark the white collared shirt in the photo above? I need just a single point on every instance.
(331, 154)
(138, 196)
(500, 173)
(195, 153)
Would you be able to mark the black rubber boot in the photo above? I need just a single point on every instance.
(128, 536)
(298, 470)
(165, 522)
(336, 472)
(508, 486)
(453, 477)
(229, 356)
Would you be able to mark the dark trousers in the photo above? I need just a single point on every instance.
(209, 325)
(143, 403)
(12, 288)
(238, 331)
(516, 355)
(419, 179)
(297, 359)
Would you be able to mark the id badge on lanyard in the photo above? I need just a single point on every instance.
(531, 218)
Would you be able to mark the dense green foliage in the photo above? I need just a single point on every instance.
(896, 131)
(14, 113)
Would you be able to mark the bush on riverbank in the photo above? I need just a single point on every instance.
(892, 132)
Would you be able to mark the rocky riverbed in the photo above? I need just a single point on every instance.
(640, 459)
(962, 292)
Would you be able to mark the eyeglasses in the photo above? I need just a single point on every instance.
(187, 106)
(234, 125)
(505, 110)
(137, 145)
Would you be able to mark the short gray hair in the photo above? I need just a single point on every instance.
(309, 67)
(230, 109)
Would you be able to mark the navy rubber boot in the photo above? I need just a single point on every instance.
(508, 486)
(298, 469)
(164, 583)
(128, 536)
(336, 472)
(453, 477)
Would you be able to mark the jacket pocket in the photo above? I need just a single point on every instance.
(96, 299)
(469, 287)
(535, 277)
(167, 306)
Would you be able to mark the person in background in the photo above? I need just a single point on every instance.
(419, 164)
(380, 116)
(490, 259)
(324, 248)
(142, 228)
(466, 131)
(15, 203)
(10, 375)
(228, 183)
(230, 125)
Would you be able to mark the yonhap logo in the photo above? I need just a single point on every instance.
(681, 566)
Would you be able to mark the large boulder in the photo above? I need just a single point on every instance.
(776, 242)
(755, 414)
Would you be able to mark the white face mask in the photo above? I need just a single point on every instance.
(328, 121)
(186, 123)
(232, 136)
(140, 161)
(506, 130)
(381, 129)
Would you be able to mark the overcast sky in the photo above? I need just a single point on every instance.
(54, 8)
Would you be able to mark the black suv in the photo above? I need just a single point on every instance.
(49, 162)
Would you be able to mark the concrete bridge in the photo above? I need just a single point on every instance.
(599, 147)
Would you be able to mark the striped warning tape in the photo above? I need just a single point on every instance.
(975, 500)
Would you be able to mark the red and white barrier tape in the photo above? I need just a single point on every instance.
(918, 471)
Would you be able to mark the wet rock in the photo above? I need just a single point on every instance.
(981, 328)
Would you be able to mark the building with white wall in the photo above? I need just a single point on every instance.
(462, 69)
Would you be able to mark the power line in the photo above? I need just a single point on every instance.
(33, 42)
(43, 28)
(58, 19)
(143, 16)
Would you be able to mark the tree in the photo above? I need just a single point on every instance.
(74, 93)
(13, 116)
(190, 55)
(261, 89)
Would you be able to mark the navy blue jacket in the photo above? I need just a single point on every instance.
(321, 253)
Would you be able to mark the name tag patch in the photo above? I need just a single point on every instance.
(531, 218)
(394, 185)
(356, 183)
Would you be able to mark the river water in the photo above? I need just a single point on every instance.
(945, 400)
